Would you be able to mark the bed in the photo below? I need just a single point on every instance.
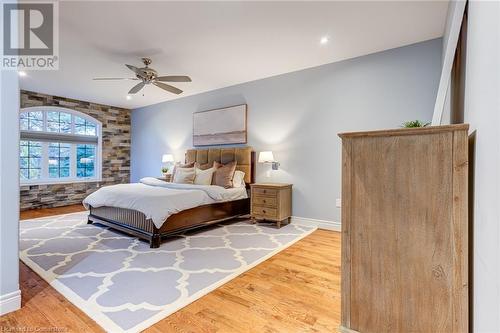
(135, 223)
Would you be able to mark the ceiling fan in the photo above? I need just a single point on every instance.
(148, 75)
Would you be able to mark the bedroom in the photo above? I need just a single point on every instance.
(204, 145)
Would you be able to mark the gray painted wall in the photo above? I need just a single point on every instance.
(482, 112)
(298, 115)
(10, 298)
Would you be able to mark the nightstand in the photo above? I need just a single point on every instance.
(271, 202)
(165, 178)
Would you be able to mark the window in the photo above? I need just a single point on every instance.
(30, 159)
(84, 127)
(59, 159)
(85, 160)
(31, 121)
(59, 122)
(58, 145)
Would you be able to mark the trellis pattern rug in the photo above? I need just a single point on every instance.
(123, 284)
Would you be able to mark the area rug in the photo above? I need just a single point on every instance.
(124, 285)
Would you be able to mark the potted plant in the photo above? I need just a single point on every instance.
(414, 123)
(164, 171)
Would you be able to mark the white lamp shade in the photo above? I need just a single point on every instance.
(167, 158)
(266, 157)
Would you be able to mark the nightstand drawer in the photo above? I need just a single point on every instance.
(265, 191)
(272, 202)
(265, 201)
(265, 212)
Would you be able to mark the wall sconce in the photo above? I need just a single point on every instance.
(267, 157)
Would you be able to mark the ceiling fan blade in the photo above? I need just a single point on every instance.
(168, 87)
(136, 70)
(114, 78)
(174, 78)
(136, 88)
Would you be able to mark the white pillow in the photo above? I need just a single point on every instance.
(239, 179)
(184, 176)
(203, 177)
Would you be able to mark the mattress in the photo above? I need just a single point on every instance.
(158, 200)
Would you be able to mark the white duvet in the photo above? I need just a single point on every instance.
(158, 199)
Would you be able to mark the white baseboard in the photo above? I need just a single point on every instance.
(10, 302)
(321, 224)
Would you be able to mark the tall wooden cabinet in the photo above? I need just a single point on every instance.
(405, 230)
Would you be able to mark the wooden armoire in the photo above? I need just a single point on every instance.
(405, 230)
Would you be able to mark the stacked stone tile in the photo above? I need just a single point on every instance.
(115, 152)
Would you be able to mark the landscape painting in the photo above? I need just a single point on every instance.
(220, 126)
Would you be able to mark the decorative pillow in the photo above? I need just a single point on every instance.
(179, 165)
(239, 179)
(203, 177)
(184, 176)
(204, 166)
(224, 173)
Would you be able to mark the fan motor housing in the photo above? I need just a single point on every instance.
(149, 74)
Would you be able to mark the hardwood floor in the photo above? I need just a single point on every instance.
(32, 214)
(297, 290)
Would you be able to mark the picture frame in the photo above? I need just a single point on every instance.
(221, 126)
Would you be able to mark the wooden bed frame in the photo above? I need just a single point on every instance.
(135, 223)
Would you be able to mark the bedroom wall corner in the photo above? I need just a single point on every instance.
(10, 294)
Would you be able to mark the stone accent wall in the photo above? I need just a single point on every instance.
(115, 152)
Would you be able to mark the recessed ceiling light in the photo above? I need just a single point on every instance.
(323, 40)
(22, 73)
(129, 97)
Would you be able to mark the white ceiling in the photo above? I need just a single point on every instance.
(219, 44)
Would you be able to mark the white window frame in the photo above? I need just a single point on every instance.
(44, 178)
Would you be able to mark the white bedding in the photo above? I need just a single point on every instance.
(158, 199)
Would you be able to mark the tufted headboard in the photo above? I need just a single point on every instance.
(244, 157)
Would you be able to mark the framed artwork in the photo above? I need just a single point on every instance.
(220, 126)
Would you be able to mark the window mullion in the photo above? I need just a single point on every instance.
(73, 161)
(45, 160)
(99, 151)
(44, 123)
